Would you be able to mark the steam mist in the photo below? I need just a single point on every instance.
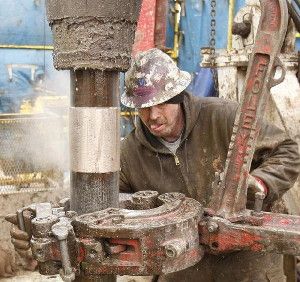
(36, 139)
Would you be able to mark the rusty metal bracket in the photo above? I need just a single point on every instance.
(229, 197)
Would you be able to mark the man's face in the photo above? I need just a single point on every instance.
(163, 120)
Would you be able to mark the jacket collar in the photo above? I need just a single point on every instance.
(191, 110)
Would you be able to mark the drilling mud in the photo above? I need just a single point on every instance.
(92, 34)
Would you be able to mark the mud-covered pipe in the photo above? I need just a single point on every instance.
(94, 140)
(94, 40)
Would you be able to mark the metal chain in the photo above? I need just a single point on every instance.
(212, 43)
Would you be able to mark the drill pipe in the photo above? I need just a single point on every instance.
(94, 186)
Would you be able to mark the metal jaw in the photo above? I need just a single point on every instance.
(139, 241)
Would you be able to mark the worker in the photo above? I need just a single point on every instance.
(178, 145)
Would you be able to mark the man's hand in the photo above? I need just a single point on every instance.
(256, 185)
(21, 239)
(7, 266)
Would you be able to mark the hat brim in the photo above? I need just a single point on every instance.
(138, 102)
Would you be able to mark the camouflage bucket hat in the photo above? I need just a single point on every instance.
(152, 79)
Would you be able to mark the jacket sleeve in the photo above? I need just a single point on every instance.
(276, 161)
(124, 185)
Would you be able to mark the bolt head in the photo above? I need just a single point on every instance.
(60, 231)
(170, 251)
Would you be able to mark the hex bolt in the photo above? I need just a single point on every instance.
(175, 248)
(170, 251)
(141, 196)
(259, 199)
(212, 226)
(145, 199)
(61, 231)
(170, 197)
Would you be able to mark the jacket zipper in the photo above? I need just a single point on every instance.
(177, 162)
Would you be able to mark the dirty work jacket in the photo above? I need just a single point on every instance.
(146, 164)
